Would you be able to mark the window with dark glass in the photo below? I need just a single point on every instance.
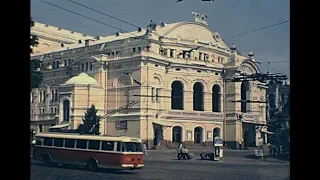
(69, 143)
(91, 66)
(107, 145)
(81, 144)
(58, 142)
(118, 146)
(95, 145)
(131, 147)
(47, 141)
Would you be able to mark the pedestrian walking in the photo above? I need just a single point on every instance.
(184, 152)
(145, 152)
(240, 144)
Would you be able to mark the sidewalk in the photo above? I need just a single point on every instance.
(229, 157)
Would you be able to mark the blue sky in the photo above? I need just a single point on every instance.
(228, 17)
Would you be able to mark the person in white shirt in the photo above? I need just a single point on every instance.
(145, 149)
(184, 152)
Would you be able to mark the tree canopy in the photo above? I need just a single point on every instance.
(91, 122)
(36, 75)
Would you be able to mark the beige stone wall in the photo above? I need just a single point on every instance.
(132, 131)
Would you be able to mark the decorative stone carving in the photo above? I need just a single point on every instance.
(246, 69)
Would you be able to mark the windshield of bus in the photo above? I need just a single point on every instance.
(131, 147)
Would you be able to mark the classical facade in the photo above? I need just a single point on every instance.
(175, 94)
(51, 37)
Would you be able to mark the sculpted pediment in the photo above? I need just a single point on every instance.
(248, 67)
(192, 31)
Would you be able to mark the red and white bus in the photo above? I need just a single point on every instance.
(93, 151)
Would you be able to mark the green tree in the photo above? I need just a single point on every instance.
(91, 122)
(279, 124)
(35, 74)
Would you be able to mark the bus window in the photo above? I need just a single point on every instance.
(81, 144)
(119, 146)
(69, 143)
(58, 142)
(131, 147)
(107, 145)
(95, 145)
(47, 141)
(39, 141)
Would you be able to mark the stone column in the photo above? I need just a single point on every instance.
(207, 101)
(188, 101)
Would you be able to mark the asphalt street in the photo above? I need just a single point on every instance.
(162, 165)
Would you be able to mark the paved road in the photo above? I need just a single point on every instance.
(162, 166)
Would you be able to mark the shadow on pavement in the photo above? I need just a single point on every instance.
(74, 167)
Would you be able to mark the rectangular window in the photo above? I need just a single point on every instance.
(87, 66)
(55, 110)
(53, 65)
(47, 141)
(40, 128)
(90, 65)
(133, 49)
(107, 145)
(82, 67)
(171, 52)
(95, 145)
(131, 147)
(52, 95)
(57, 142)
(206, 57)
(39, 111)
(56, 96)
(81, 144)
(39, 141)
(44, 96)
(152, 93)
(43, 111)
(65, 63)
(200, 56)
(119, 146)
(69, 60)
(57, 63)
(112, 53)
(51, 111)
(69, 143)
(139, 49)
(157, 94)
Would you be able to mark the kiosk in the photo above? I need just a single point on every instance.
(218, 142)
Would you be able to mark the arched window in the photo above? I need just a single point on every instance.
(52, 95)
(216, 132)
(198, 97)
(216, 98)
(177, 134)
(66, 110)
(177, 95)
(56, 95)
(245, 95)
(198, 132)
(123, 91)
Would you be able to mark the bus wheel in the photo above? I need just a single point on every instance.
(92, 165)
(46, 160)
